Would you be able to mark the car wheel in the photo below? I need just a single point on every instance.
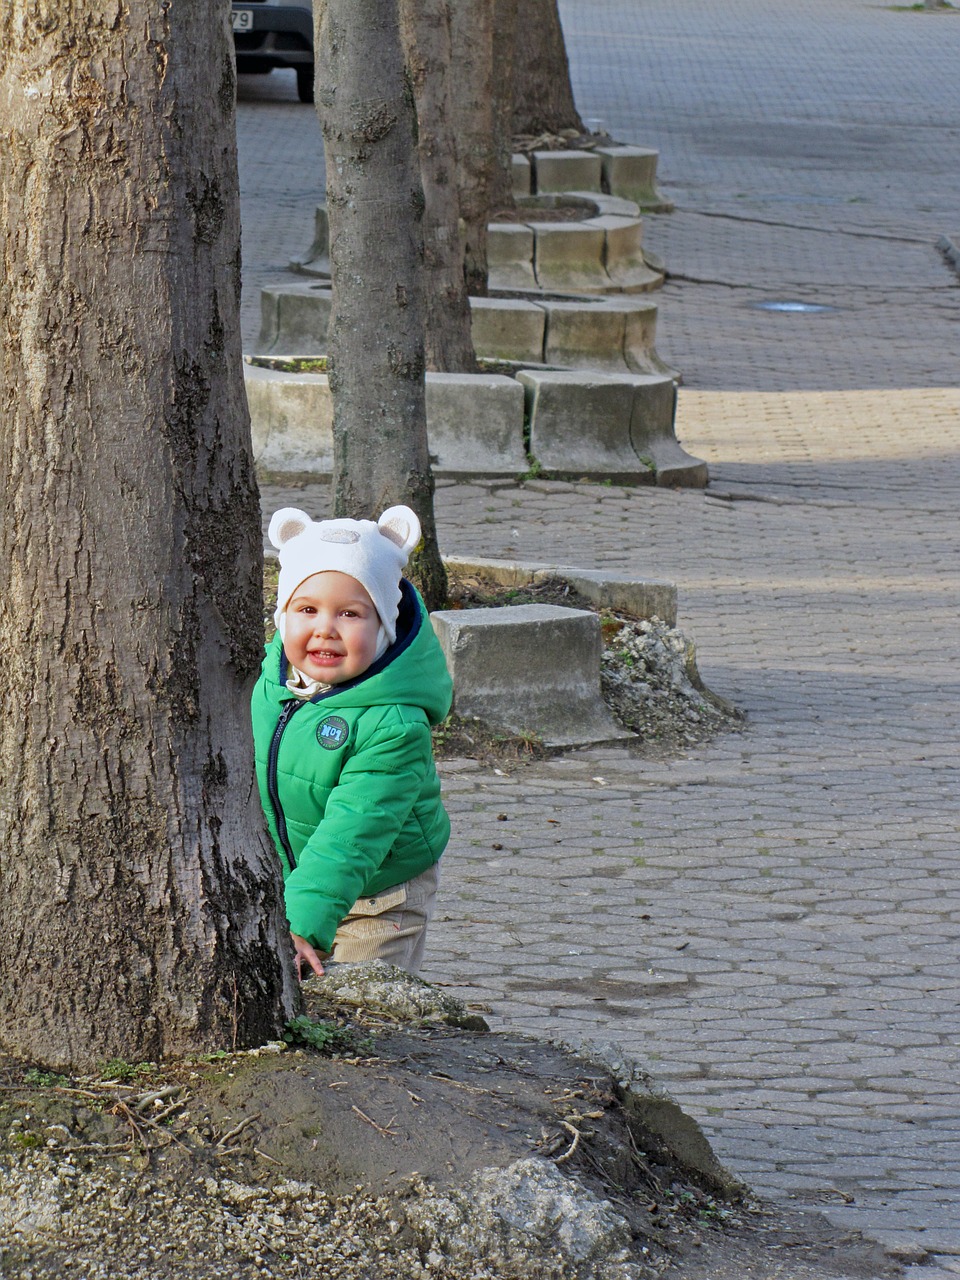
(305, 83)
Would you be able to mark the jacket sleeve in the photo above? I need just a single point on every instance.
(377, 788)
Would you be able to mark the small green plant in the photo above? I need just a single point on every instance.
(38, 1079)
(326, 1037)
(26, 1140)
(124, 1072)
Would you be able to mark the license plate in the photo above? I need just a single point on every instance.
(242, 19)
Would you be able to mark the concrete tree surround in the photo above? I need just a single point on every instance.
(482, 425)
(592, 398)
(551, 684)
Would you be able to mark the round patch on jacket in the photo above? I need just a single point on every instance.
(332, 732)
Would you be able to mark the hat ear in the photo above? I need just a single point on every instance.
(286, 524)
(401, 526)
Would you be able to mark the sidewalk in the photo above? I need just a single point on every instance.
(772, 921)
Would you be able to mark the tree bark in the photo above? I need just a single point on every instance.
(141, 911)
(471, 31)
(505, 22)
(425, 32)
(375, 349)
(542, 92)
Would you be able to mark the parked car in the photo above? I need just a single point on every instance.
(275, 33)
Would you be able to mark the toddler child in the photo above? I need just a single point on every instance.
(349, 688)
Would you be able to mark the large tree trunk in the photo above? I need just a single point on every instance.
(140, 912)
(471, 30)
(425, 31)
(542, 93)
(374, 206)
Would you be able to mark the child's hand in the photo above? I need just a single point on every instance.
(305, 953)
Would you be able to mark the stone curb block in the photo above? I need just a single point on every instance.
(521, 174)
(291, 421)
(294, 318)
(316, 261)
(605, 334)
(640, 598)
(568, 256)
(601, 253)
(632, 428)
(632, 172)
(529, 669)
(559, 406)
(949, 246)
(623, 171)
(474, 423)
(508, 329)
(566, 171)
(653, 434)
(510, 253)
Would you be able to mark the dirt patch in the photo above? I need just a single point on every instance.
(554, 213)
(566, 140)
(407, 1160)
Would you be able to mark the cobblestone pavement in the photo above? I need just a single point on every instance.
(807, 147)
(770, 921)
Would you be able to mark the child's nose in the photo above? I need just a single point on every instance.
(325, 624)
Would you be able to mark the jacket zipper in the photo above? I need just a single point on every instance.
(286, 715)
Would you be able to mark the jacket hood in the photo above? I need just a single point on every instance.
(412, 672)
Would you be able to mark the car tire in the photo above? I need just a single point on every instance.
(305, 83)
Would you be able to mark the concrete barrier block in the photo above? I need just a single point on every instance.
(632, 172)
(316, 261)
(580, 425)
(567, 171)
(294, 319)
(586, 334)
(507, 329)
(291, 420)
(510, 249)
(529, 669)
(639, 352)
(569, 256)
(505, 573)
(604, 205)
(626, 267)
(653, 434)
(521, 174)
(475, 425)
(640, 598)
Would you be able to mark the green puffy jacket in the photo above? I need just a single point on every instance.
(347, 779)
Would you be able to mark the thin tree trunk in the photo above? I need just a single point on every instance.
(140, 913)
(542, 92)
(471, 31)
(425, 31)
(374, 205)
(505, 21)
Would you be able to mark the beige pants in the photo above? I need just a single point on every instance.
(391, 926)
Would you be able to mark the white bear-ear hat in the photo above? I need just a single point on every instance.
(375, 554)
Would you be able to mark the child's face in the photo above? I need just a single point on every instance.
(331, 628)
